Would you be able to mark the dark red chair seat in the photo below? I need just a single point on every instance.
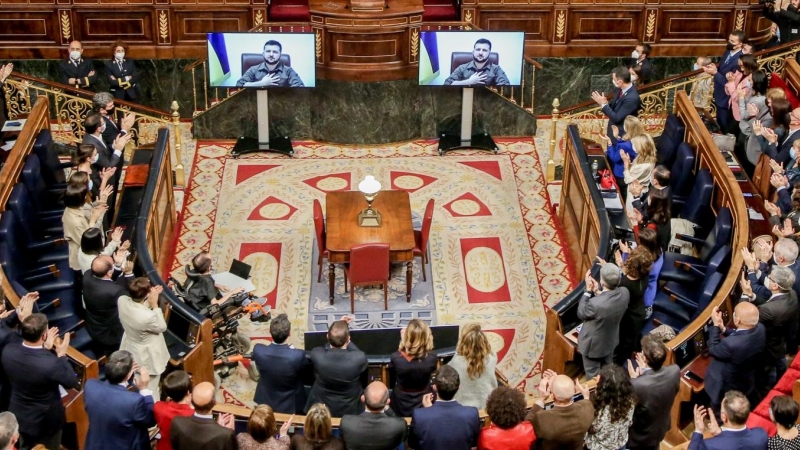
(439, 12)
(288, 11)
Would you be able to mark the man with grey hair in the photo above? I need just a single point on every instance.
(783, 254)
(601, 308)
(373, 429)
(778, 314)
(9, 430)
(103, 102)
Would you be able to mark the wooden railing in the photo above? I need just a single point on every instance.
(584, 222)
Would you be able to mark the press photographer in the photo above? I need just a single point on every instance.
(787, 18)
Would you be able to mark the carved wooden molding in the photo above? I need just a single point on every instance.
(560, 29)
(258, 17)
(650, 26)
(738, 24)
(66, 25)
(414, 45)
(318, 44)
(163, 26)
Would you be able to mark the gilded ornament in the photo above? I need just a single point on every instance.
(650, 29)
(414, 43)
(468, 16)
(66, 27)
(318, 44)
(259, 18)
(740, 20)
(561, 24)
(163, 25)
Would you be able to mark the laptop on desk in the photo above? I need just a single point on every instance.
(237, 276)
(240, 269)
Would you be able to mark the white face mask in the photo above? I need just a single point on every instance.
(94, 160)
(91, 185)
(120, 56)
(635, 55)
(695, 67)
(76, 55)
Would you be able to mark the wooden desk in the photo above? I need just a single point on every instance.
(343, 231)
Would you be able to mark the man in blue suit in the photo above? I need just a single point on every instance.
(734, 434)
(735, 358)
(446, 423)
(624, 102)
(280, 366)
(119, 418)
(722, 74)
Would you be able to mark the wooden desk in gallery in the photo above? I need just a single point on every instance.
(378, 45)
(343, 231)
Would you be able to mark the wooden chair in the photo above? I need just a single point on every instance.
(369, 265)
(421, 237)
(319, 228)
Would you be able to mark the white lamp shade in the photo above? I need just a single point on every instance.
(369, 185)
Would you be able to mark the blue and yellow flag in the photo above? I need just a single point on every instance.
(428, 58)
(219, 69)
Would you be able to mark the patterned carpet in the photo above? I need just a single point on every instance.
(496, 255)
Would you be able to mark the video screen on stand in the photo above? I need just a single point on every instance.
(471, 58)
(261, 60)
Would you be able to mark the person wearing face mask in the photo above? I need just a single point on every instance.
(85, 158)
(701, 92)
(724, 73)
(641, 57)
(77, 71)
(123, 79)
(624, 102)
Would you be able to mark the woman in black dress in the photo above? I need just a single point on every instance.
(413, 365)
(636, 270)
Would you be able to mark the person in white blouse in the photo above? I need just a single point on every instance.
(641, 168)
(144, 326)
(92, 246)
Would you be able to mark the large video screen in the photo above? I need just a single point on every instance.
(471, 58)
(261, 60)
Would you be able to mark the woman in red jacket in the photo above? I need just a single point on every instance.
(509, 429)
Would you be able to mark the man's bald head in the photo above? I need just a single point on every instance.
(375, 396)
(203, 397)
(101, 265)
(563, 388)
(747, 313)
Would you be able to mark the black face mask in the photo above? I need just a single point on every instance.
(729, 47)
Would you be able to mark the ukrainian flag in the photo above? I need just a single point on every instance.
(428, 58)
(219, 69)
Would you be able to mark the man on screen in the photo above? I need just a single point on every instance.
(272, 72)
(479, 71)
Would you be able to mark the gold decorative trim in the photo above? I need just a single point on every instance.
(258, 19)
(561, 24)
(414, 44)
(739, 25)
(650, 29)
(468, 16)
(66, 25)
(163, 26)
(318, 44)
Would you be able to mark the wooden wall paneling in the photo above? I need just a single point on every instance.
(535, 23)
(691, 26)
(93, 26)
(29, 27)
(349, 47)
(192, 25)
(595, 24)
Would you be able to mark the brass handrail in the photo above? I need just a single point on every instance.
(70, 106)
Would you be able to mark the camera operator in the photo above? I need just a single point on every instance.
(787, 20)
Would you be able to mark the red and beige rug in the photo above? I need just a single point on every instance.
(496, 252)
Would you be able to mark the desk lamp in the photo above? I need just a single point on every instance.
(370, 188)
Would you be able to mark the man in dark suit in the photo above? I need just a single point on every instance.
(119, 418)
(337, 372)
(103, 285)
(565, 425)
(787, 22)
(733, 359)
(659, 180)
(280, 367)
(722, 74)
(373, 429)
(200, 431)
(624, 102)
(783, 253)
(656, 387)
(734, 434)
(641, 57)
(76, 71)
(445, 423)
(35, 372)
(8, 335)
(108, 155)
(122, 75)
(781, 151)
(103, 103)
(601, 309)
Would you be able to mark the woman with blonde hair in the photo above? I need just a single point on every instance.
(413, 364)
(261, 429)
(633, 127)
(475, 363)
(317, 431)
(641, 168)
